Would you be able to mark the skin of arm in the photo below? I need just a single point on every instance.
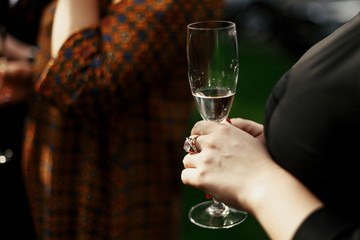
(71, 16)
(235, 167)
(15, 82)
(15, 70)
(16, 50)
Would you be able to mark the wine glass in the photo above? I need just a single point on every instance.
(213, 67)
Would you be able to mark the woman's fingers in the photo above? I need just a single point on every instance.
(189, 161)
(189, 176)
(194, 169)
(253, 128)
(204, 127)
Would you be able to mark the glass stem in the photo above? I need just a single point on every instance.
(218, 208)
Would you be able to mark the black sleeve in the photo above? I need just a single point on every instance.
(325, 225)
(312, 125)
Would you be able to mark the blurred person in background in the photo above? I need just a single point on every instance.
(299, 173)
(110, 107)
(19, 21)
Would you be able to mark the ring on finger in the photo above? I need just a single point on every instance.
(190, 145)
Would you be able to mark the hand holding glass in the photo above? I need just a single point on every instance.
(213, 67)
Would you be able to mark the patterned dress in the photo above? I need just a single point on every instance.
(103, 143)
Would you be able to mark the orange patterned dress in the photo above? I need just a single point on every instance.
(103, 142)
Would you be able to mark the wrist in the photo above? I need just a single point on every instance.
(261, 187)
(281, 203)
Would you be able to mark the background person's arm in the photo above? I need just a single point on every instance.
(71, 16)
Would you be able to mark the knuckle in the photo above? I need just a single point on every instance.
(207, 158)
(224, 129)
(200, 179)
(196, 128)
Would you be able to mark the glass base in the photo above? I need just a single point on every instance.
(211, 215)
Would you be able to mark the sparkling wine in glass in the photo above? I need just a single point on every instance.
(213, 67)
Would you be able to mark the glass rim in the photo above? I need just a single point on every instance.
(227, 25)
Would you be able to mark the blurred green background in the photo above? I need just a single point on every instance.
(260, 67)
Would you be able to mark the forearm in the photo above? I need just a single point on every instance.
(71, 16)
(281, 203)
(17, 50)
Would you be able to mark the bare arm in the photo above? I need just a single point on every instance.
(17, 50)
(70, 16)
(281, 203)
(235, 167)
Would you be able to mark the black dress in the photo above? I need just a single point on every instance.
(312, 129)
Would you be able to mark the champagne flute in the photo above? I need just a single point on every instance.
(213, 67)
